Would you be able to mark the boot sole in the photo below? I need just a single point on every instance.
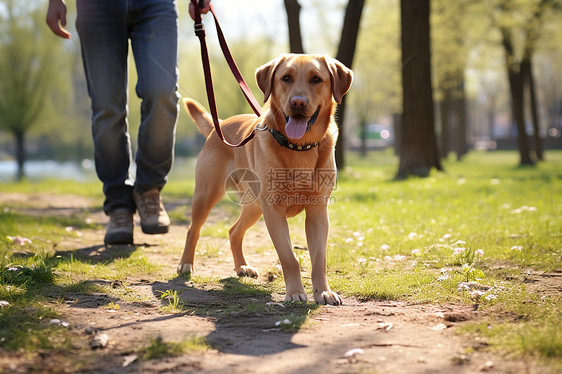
(152, 230)
(120, 238)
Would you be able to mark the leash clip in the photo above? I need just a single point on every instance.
(199, 29)
(260, 127)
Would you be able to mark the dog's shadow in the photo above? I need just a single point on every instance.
(247, 319)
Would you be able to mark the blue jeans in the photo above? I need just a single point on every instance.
(105, 28)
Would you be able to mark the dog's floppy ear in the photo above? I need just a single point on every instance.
(264, 76)
(341, 78)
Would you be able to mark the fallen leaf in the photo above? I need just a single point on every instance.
(99, 341)
(129, 360)
(352, 353)
(275, 304)
(489, 365)
(384, 326)
(439, 327)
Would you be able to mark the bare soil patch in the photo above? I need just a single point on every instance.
(387, 337)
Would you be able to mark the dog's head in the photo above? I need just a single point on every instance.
(303, 87)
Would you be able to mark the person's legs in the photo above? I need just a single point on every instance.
(153, 29)
(102, 27)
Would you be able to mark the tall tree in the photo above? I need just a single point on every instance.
(456, 32)
(293, 9)
(418, 145)
(26, 68)
(346, 52)
(515, 20)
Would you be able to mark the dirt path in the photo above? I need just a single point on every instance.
(389, 337)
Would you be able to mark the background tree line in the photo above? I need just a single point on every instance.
(440, 73)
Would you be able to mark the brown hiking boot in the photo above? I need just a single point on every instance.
(154, 219)
(120, 227)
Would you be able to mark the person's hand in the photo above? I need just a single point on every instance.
(57, 13)
(204, 10)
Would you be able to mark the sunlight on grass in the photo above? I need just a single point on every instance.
(118, 268)
(474, 234)
(158, 348)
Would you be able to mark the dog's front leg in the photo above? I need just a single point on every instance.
(316, 226)
(278, 229)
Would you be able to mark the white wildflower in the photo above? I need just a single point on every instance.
(476, 294)
(458, 250)
(19, 240)
(413, 235)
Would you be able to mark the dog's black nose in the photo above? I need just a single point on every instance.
(299, 102)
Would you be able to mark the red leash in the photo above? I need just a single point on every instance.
(200, 32)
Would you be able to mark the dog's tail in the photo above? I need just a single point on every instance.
(200, 116)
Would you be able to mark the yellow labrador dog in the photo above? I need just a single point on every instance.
(288, 167)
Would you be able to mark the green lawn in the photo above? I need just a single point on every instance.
(473, 234)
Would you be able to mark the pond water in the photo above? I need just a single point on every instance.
(44, 169)
(83, 171)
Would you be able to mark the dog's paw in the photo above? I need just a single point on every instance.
(185, 268)
(247, 271)
(328, 297)
(297, 297)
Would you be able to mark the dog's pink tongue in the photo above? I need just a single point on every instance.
(296, 127)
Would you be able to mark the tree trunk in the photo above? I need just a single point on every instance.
(518, 113)
(346, 51)
(293, 9)
(363, 137)
(460, 110)
(418, 143)
(20, 155)
(515, 78)
(397, 122)
(444, 107)
(527, 71)
(491, 108)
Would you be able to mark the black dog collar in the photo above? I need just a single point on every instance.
(284, 142)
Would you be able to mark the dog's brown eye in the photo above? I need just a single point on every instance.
(316, 79)
(286, 78)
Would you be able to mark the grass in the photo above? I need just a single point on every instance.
(483, 220)
(158, 348)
